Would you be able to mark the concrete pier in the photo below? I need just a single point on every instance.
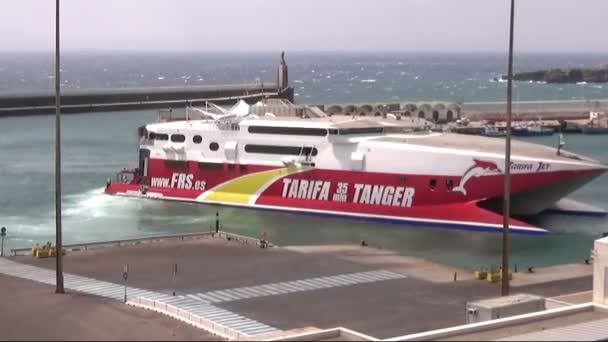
(95, 100)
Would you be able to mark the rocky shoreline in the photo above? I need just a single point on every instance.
(576, 75)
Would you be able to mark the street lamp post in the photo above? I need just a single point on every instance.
(2, 234)
(58, 242)
(507, 193)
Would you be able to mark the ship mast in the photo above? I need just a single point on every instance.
(507, 192)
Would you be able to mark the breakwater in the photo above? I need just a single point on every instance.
(96, 100)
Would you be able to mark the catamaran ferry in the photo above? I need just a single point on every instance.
(349, 166)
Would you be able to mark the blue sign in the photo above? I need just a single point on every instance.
(125, 275)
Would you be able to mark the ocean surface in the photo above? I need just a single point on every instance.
(95, 146)
(317, 77)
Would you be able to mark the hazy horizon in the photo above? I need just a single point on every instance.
(263, 26)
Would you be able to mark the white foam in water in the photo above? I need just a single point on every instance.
(368, 81)
(95, 204)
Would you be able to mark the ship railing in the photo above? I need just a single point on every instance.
(143, 141)
(125, 176)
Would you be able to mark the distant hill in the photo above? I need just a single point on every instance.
(590, 75)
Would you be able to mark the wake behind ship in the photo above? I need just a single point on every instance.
(347, 166)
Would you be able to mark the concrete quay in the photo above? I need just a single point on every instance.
(281, 290)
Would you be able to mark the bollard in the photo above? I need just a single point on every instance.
(217, 221)
(455, 276)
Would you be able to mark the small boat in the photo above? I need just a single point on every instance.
(598, 124)
(532, 129)
(595, 129)
(493, 132)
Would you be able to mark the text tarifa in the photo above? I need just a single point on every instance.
(385, 195)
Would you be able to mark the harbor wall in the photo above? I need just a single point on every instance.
(95, 100)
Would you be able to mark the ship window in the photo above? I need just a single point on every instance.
(179, 138)
(159, 136)
(361, 130)
(289, 150)
(433, 184)
(210, 166)
(320, 132)
(197, 139)
(449, 184)
(214, 146)
(176, 163)
(333, 131)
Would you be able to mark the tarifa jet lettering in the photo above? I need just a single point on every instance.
(183, 181)
(395, 196)
(305, 189)
(385, 195)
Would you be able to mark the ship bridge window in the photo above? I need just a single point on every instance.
(178, 138)
(319, 132)
(159, 136)
(285, 150)
(197, 139)
(214, 146)
(361, 130)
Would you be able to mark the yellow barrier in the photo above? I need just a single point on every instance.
(45, 251)
(493, 277)
(480, 275)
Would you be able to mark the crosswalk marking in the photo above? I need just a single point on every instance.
(273, 289)
(195, 304)
(201, 304)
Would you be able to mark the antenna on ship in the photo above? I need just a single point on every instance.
(58, 237)
(507, 193)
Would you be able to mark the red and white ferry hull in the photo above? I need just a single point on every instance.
(367, 195)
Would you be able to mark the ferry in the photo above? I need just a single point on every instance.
(356, 167)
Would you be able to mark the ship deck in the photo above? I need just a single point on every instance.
(519, 149)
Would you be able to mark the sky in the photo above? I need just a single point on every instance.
(576, 26)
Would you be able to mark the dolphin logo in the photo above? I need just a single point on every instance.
(478, 169)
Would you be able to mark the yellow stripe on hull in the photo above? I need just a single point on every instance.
(242, 189)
